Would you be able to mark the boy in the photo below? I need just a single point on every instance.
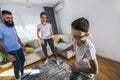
(86, 64)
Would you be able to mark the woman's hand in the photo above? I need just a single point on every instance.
(42, 42)
(11, 57)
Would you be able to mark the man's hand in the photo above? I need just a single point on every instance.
(11, 57)
(23, 48)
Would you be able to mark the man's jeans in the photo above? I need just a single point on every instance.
(19, 62)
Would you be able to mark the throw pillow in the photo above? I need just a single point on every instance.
(29, 50)
(56, 40)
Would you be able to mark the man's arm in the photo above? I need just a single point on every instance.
(1, 47)
(20, 42)
(9, 56)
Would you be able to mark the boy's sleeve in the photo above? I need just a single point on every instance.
(91, 53)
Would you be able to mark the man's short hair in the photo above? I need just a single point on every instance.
(6, 12)
(81, 24)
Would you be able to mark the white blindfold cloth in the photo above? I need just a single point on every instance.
(82, 34)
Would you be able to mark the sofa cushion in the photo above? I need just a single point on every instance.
(29, 50)
(62, 45)
(33, 43)
(56, 40)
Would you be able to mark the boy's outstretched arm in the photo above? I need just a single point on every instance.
(67, 49)
(94, 67)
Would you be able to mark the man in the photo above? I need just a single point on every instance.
(10, 44)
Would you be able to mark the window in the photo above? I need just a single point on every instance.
(26, 26)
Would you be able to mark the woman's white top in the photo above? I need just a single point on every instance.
(45, 30)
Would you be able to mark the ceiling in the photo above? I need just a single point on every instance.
(32, 2)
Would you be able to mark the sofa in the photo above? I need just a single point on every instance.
(37, 53)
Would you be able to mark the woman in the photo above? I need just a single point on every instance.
(46, 36)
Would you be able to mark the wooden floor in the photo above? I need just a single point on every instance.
(108, 69)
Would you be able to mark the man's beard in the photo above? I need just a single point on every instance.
(9, 24)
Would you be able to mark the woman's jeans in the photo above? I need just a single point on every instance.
(51, 44)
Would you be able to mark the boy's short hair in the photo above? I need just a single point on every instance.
(6, 12)
(81, 24)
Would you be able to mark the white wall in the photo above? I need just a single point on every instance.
(104, 20)
(22, 10)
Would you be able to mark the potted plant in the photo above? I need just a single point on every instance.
(4, 63)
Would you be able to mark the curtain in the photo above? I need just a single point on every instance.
(51, 18)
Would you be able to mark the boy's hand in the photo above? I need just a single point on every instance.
(74, 67)
(58, 52)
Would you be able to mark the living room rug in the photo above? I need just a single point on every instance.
(50, 71)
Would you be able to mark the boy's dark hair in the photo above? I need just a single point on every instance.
(43, 13)
(6, 12)
(81, 24)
